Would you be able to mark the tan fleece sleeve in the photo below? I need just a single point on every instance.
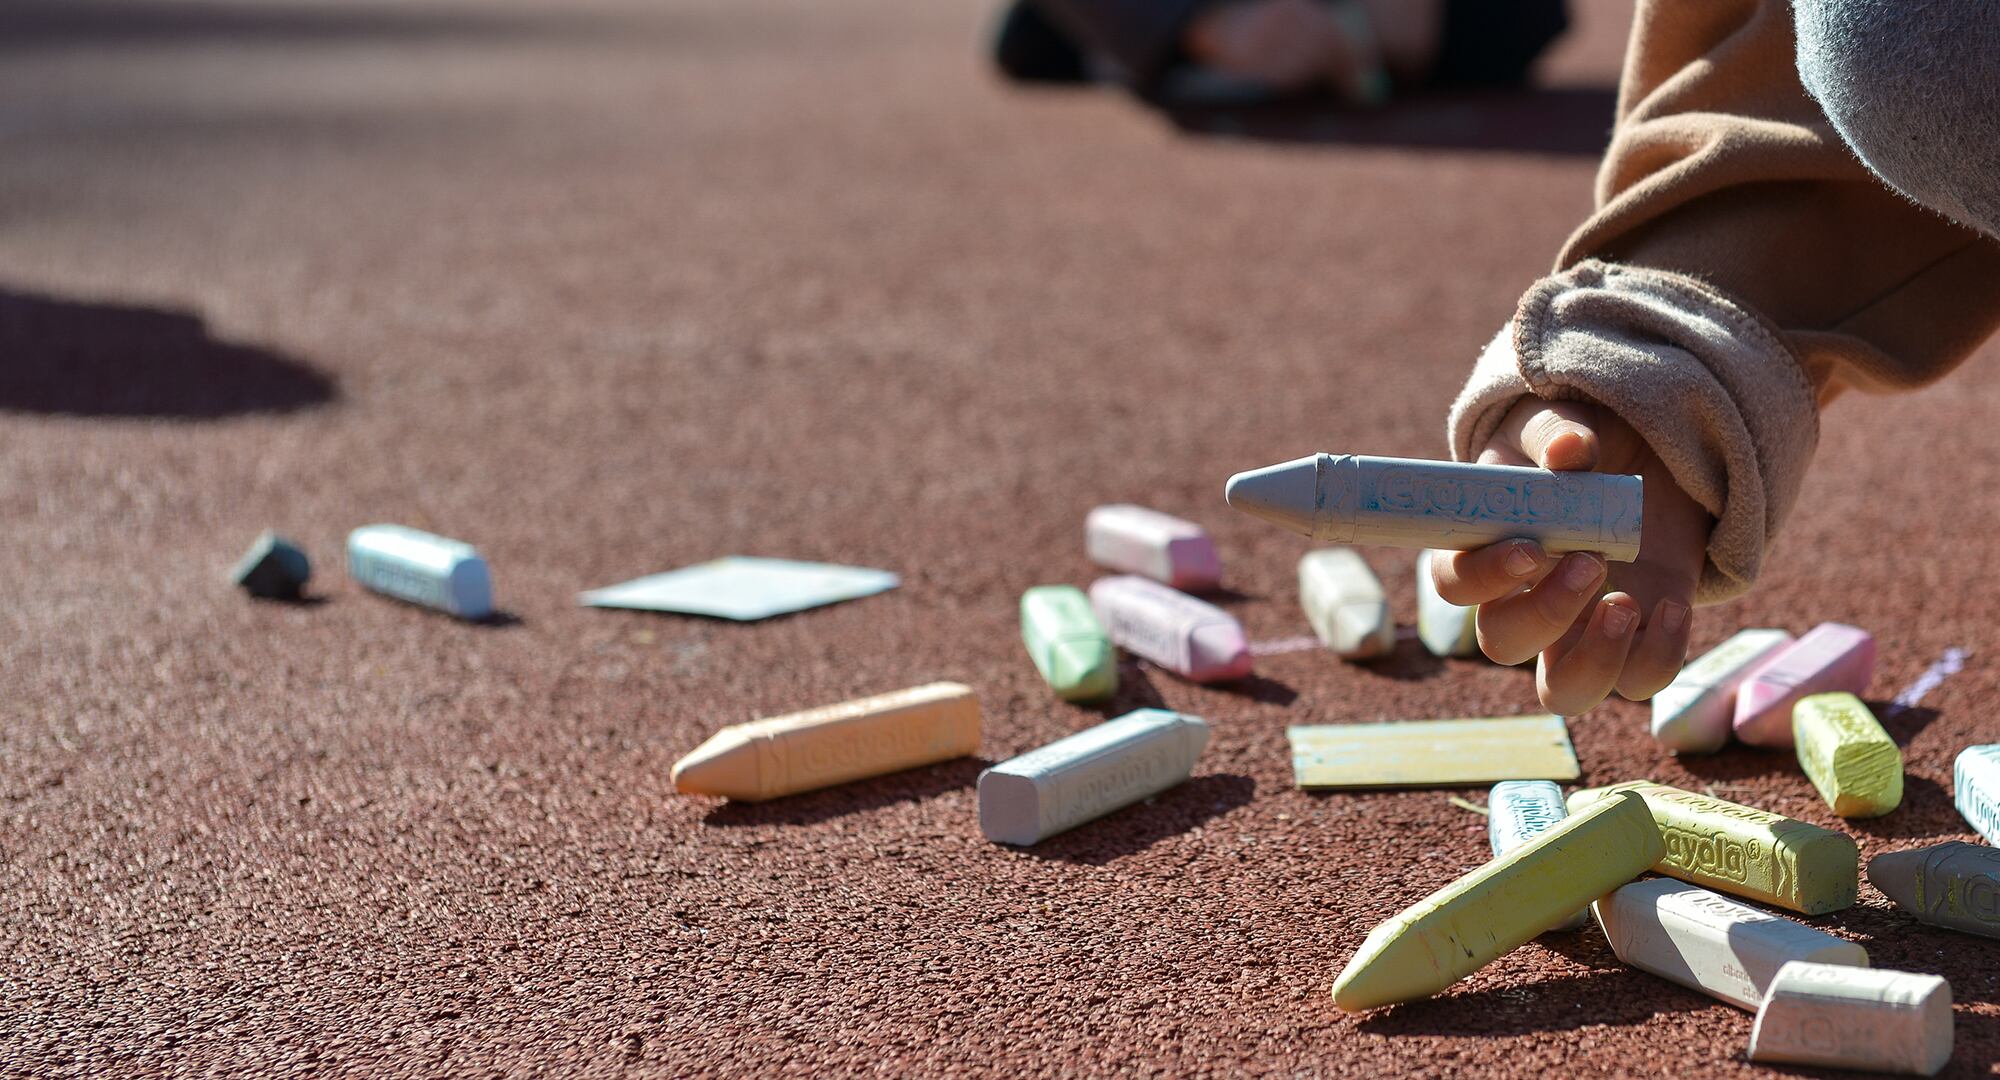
(1742, 269)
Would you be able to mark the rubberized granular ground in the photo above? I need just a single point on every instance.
(615, 287)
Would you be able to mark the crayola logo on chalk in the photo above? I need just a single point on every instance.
(1710, 853)
(1529, 500)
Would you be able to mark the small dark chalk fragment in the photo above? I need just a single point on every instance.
(274, 568)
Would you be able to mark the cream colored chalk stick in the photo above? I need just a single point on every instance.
(1846, 754)
(1740, 849)
(1693, 716)
(1500, 906)
(1445, 628)
(1345, 604)
(1135, 540)
(804, 751)
(1088, 775)
(1517, 811)
(1975, 788)
(1955, 885)
(1710, 943)
(1854, 1018)
(1432, 753)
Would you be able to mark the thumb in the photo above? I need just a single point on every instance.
(1557, 435)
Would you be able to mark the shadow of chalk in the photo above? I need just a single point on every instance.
(1619, 997)
(1143, 824)
(910, 785)
(1259, 688)
(1409, 661)
(1567, 121)
(1135, 691)
(1902, 724)
(1925, 803)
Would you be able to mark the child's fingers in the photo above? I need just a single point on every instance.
(1571, 682)
(1515, 628)
(1552, 434)
(1497, 453)
(1473, 577)
(1658, 652)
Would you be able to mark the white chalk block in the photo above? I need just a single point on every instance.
(1695, 714)
(1345, 604)
(1517, 811)
(1136, 540)
(1088, 775)
(1975, 787)
(1445, 628)
(1710, 943)
(1854, 1018)
(412, 565)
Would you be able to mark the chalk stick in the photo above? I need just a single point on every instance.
(416, 566)
(1693, 715)
(1742, 850)
(1344, 602)
(1445, 628)
(1088, 775)
(1955, 885)
(1135, 540)
(1830, 657)
(273, 569)
(1191, 638)
(1068, 644)
(1854, 1018)
(1975, 788)
(1500, 906)
(1519, 810)
(833, 744)
(1405, 502)
(1689, 935)
(1432, 753)
(1846, 754)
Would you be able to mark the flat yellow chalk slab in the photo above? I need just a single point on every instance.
(1433, 753)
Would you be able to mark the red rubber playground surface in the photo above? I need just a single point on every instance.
(612, 287)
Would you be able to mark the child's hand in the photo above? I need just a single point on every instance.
(1589, 647)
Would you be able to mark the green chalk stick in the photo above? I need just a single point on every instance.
(1068, 644)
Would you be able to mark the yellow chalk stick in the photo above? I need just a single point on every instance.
(1501, 906)
(804, 751)
(1846, 754)
(1432, 753)
(1746, 851)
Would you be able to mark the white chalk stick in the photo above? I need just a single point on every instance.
(1445, 628)
(1854, 1018)
(1695, 713)
(1135, 540)
(1517, 811)
(412, 565)
(1088, 775)
(1975, 787)
(1710, 943)
(1344, 602)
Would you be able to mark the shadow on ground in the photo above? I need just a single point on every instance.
(99, 359)
(1143, 824)
(910, 785)
(1620, 997)
(1570, 121)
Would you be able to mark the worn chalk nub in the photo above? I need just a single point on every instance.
(1830, 657)
(1692, 716)
(1135, 540)
(1975, 788)
(1742, 850)
(273, 569)
(1711, 943)
(1406, 502)
(1846, 754)
(1344, 602)
(416, 566)
(1854, 1018)
(1068, 644)
(1500, 906)
(1189, 637)
(1955, 885)
(1445, 628)
(804, 751)
(1517, 811)
(1088, 775)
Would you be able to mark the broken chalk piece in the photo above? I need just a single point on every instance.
(1068, 644)
(1854, 1018)
(833, 744)
(1846, 754)
(1975, 788)
(1413, 503)
(416, 566)
(1088, 775)
(1692, 716)
(1135, 540)
(1743, 850)
(1432, 753)
(1445, 628)
(1189, 637)
(1686, 934)
(1344, 602)
(1519, 810)
(1500, 906)
(1830, 657)
(1955, 885)
(273, 569)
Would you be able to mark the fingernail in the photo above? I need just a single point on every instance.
(1581, 573)
(1618, 620)
(1673, 616)
(1519, 562)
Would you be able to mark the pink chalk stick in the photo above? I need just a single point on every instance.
(1136, 540)
(1830, 657)
(1189, 637)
